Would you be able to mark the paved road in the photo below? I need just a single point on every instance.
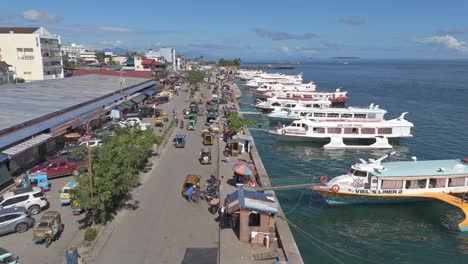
(163, 224)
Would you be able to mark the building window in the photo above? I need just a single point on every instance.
(254, 219)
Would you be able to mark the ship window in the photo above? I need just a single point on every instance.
(371, 116)
(346, 115)
(368, 131)
(319, 114)
(303, 113)
(360, 116)
(334, 130)
(333, 115)
(360, 173)
(276, 104)
(316, 106)
(385, 130)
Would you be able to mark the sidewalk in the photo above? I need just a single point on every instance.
(233, 251)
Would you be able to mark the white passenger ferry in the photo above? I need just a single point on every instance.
(374, 181)
(286, 87)
(310, 129)
(276, 104)
(338, 97)
(319, 111)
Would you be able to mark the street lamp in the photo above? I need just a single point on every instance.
(122, 81)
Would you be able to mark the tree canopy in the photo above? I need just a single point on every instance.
(225, 62)
(194, 77)
(235, 122)
(116, 166)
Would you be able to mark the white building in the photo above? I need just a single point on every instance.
(72, 51)
(88, 57)
(33, 52)
(168, 54)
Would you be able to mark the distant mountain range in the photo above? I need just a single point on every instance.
(117, 51)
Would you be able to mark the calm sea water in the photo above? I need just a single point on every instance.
(435, 93)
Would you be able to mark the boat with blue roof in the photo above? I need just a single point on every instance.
(374, 181)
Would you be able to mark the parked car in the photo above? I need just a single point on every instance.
(133, 115)
(60, 166)
(32, 198)
(93, 142)
(146, 112)
(15, 219)
(70, 149)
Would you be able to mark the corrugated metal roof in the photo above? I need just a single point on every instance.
(139, 98)
(255, 201)
(23, 103)
(26, 145)
(3, 157)
(20, 134)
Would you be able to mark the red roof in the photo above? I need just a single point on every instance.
(3, 63)
(136, 74)
(151, 62)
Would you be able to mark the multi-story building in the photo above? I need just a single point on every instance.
(33, 52)
(6, 75)
(170, 56)
(88, 57)
(167, 55)
(72, 51)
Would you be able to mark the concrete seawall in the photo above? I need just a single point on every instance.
(288, 244)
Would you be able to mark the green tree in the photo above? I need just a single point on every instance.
(195, 77)
(225, 62)
(116, 166)
(235, 122)
(99, 56)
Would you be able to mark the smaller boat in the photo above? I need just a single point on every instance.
(375, 181)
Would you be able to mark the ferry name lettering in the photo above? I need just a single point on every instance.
(378, 191)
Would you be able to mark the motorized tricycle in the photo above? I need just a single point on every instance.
(48, 228)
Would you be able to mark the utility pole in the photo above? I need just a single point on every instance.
(90, 171)
(90, 168)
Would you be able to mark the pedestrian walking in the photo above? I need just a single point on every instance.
(190, 193)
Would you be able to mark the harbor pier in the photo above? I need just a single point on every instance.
(233, 251)
(268, 67)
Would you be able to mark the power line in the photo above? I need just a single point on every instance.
(307, 235)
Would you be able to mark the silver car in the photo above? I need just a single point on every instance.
(16, 219)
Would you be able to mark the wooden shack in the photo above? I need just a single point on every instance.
(254, 213)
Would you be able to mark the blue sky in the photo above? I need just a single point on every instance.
(257, 29)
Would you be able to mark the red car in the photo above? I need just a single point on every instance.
(60, 167)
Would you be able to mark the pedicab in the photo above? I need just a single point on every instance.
(65, 196)
(194, 182)
(205, 156)
(75, 207)
(48, 228)
(192, 122)
(37, 179)
(165, 116)
(159, 122)
(207, 138)
(179, 141)
(7, 257)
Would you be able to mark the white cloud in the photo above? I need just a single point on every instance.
(34, 15)
(352, 20)
(448, 42)
(115, 29)
(285, 49)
